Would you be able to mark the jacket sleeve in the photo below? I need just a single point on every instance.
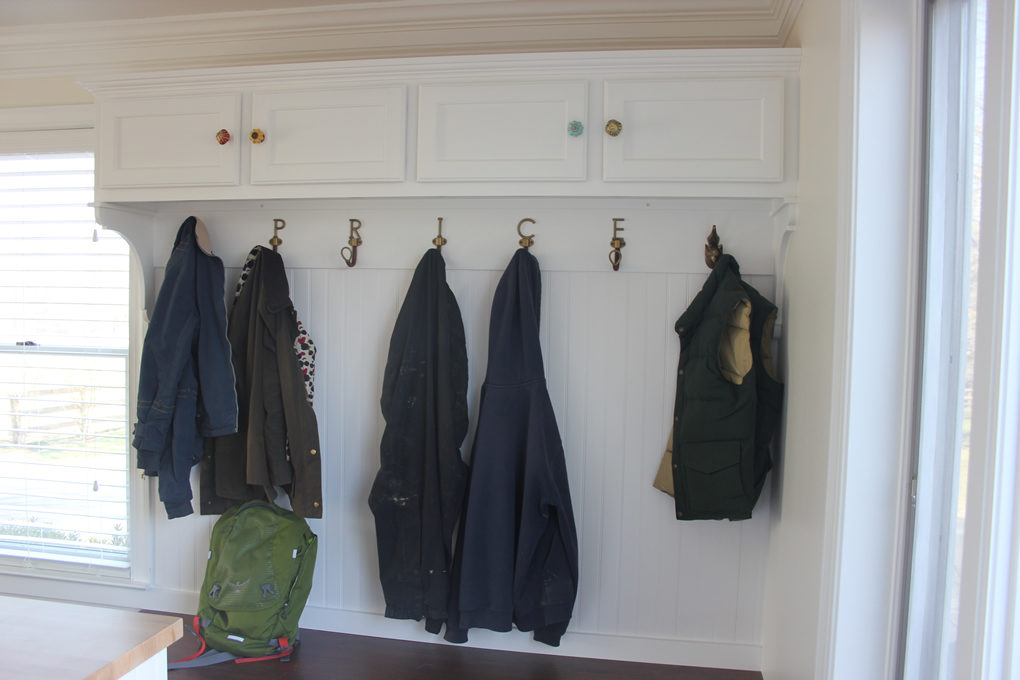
(302, 427)
(217, 413)
(546, 584)
(165, 352)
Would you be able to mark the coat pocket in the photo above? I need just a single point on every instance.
(713, 481)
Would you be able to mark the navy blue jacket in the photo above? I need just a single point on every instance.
(517, 550)
(419, 490)
(186, 384)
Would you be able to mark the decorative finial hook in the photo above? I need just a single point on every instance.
(713, 249)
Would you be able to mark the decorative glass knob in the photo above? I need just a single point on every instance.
(613, 128)
(575, 128)
(223, 136)
(257, 136)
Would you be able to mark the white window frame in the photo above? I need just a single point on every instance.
(951, 83)
(988, 644)
(71, 129)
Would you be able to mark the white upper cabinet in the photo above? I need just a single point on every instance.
(692, 123)
(720, 129)
(341, 135)
(502, 131)
(169, 141)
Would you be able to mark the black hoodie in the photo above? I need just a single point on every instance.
(419, 490)
(517, 550)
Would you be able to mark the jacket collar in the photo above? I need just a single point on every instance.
(272, 280)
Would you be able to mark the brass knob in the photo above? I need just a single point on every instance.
(223, 136)
(257, 136)
(614, 128)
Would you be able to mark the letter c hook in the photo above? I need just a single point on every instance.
(526, 240)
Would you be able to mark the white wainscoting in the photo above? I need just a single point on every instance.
(651, 588)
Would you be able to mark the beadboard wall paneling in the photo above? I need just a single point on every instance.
(651, 587)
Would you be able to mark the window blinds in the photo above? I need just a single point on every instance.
(64, 448)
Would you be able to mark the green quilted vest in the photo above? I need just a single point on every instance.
(728, 400)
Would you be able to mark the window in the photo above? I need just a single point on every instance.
(64, 371)
(964, 608)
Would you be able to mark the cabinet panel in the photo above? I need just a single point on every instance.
(501, 131)
(695, 129)
(352, 134)
(169, 141)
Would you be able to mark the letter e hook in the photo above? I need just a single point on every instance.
(617, 242)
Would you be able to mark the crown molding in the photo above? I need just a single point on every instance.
(648, 63)
(388, 29)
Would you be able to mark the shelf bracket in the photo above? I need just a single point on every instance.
(784, 222)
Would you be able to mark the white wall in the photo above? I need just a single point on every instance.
(833, 597)
(15, 92)
(793, 577)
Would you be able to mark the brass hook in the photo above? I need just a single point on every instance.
(529, 240)
(617, 242)
(349, 253)
(439, 241)
(278, 224)
(713, 249)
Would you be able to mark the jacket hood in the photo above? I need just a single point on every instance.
(186, 231)
(515, 354)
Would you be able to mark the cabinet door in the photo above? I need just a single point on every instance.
(501, 131)
(169, 141)
(720, 129)
(344, 135)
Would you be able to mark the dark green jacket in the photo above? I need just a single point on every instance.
(277, 440)
(728, 400)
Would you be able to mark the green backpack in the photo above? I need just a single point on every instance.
(257, 581)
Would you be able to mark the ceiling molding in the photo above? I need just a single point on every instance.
(276, 77)
(389, 28)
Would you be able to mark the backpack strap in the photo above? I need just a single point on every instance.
(196, 659)
(210, 657)
(285, 650)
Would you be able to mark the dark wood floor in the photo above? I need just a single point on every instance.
(322, 656)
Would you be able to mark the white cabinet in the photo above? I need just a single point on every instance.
(713, 123)
(337, 135)
(695, 129)
(502, 131)
(169, 141)
(341, 135)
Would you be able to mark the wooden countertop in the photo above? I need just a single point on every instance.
(45, 640)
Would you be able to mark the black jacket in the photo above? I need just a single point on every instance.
(517, 554)
(277, 442)
(419, 490)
